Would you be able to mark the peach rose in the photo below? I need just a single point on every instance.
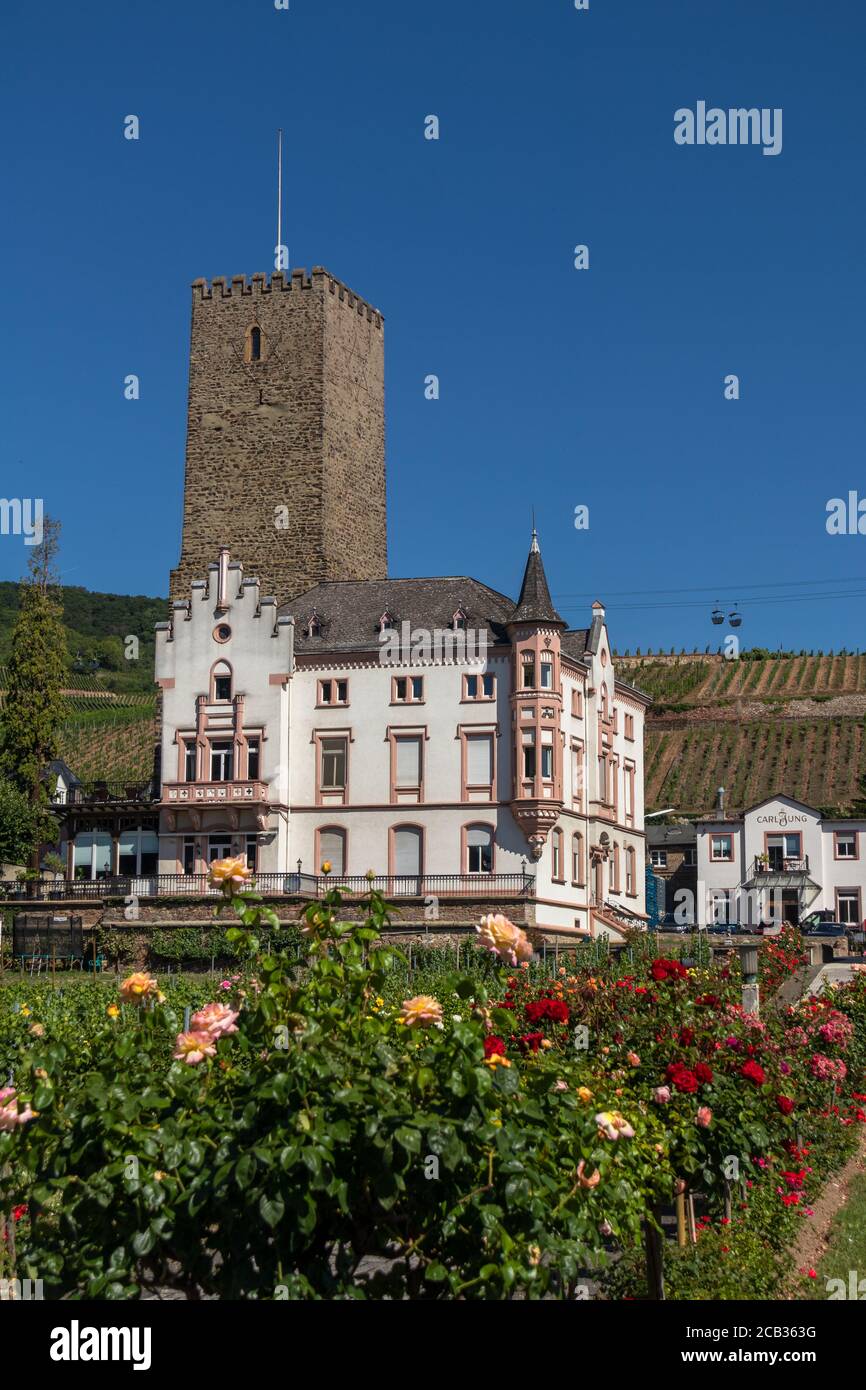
(216, 1019)
(138, 987)
(192, 1048)
(230, 874)
(592, 1181)
(420, 1012)
(504, 939)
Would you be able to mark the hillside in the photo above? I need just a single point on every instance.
(110, 703)
(97, 627)
(758, 725)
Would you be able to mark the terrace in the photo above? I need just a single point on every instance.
(87, 794)
(481, 886)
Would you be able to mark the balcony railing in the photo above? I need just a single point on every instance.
(179, 794)
(779, 865)
(103, 793)
(273, 885)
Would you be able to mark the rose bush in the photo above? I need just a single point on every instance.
(329, 1129)
(320, 1145)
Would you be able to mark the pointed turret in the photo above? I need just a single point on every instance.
(536, 705)
(535, 604)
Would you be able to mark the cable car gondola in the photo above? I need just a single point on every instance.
(735, 619)
(718, 616)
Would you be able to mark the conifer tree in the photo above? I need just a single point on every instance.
(35, 673)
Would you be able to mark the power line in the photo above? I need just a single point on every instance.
(843, 594)
(710, 591)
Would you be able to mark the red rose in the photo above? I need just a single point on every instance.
(682, 1078)
(785, 1104)
(557, 1011)
(687, 1036)
(532, 1040)
(752, 1072)
(535, 1011)
(704, 1073)
(493, 1045)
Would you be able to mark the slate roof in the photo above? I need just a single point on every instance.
(350, 611)
(535, 604)
(660, 836)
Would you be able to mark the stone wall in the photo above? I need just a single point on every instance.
(302, 429)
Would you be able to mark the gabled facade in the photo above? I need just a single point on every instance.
(429, 729)
(780, 860)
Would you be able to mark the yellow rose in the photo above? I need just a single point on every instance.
(421, 1011)
(230, 874)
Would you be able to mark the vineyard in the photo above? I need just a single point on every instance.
(713, 680)
(819, 761)
(118, 748)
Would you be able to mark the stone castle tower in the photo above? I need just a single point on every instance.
(285, 454)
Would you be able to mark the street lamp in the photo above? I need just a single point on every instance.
(749, 969)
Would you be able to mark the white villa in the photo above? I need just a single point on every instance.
(432, 730)
(780, 860)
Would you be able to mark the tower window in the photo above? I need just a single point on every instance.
(254, 344)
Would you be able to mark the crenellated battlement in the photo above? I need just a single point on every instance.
(280, 282)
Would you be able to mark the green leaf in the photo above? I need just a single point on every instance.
(272, 1209)
(245, 1170)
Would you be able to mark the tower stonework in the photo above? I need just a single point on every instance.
(285, 454)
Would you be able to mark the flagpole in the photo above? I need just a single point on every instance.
(279, 195)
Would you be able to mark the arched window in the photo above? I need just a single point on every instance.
(629, 870)
(407, 857)
(556, 855)
(254, 344)
(331, 848)
(577, 875)
(478, 856)
(221, 682)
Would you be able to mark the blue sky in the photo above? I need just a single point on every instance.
(558, 387)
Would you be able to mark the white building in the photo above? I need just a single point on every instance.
(780, 860)
(431, 730)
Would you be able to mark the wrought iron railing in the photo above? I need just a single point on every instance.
(273, 885)
(777, 864)
(102, 793)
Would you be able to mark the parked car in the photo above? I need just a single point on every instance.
(669, 923)
(726, 929)
(825, 929)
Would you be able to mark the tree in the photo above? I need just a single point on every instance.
(37, 666)
(18, 825)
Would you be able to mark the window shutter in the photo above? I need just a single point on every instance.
(408, 762)
(479, 760)
(407, 851)
(331, 848)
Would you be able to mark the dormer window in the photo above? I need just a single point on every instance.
(313, 626)
(386, 622)
(458, 622)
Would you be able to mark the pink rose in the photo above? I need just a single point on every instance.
(662, 1094)
(216, 1019)
(704, 1117)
